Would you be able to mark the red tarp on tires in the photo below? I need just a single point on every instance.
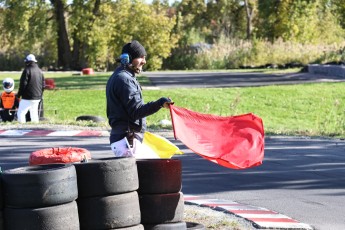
(59, 155)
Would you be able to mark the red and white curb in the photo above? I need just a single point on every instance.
(53, 133)
(261, 218)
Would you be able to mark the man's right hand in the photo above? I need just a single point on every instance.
(168, 103)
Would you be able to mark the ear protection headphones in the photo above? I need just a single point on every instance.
(125, 59)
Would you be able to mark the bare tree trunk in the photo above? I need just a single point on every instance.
(250, 13)
(64, 48)
(76, 53)
(79, 60)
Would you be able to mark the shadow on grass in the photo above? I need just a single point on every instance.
(88, 81)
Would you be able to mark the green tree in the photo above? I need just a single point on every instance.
(147, 24)
(338, 7)
(87, 33)
(89, 30)
(303, 21)
(24, 23)
(230, 18)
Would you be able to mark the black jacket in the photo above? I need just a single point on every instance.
(126, 109)
(31, 83)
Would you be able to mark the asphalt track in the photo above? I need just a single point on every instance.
(300, 184)
(301, 178)
(231, 79)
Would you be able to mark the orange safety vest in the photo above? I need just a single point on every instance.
(8, 100)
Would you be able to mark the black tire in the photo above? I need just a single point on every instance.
(116, 211)
(168, 226)
(107, 176)
(159, 176)
(161, 208)
(1, 221)
(58, 217)
(136, 227)
(1, 197)
(39, 186)
(195, 226)
(90, 118)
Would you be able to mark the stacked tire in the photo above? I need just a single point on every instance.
(108, 197)
(160, 196)
(40, 197)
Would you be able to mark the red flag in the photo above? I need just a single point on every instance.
(235, 142)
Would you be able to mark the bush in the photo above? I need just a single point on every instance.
(233, 54)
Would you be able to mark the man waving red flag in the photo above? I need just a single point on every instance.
(235, 142)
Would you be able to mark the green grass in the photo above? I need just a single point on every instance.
(307, 109)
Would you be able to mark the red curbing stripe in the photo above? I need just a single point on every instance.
(286, 220)
(252, 211)
(191, 198)
(215, 205)
(263, 218)
(1, 131)
(89, 133)
(40, 132)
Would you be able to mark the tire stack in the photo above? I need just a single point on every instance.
(160, 196)
(108, 197)
(40, 197)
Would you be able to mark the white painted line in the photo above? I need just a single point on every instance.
(36, 132)
(210, 202)
(284, 225)
(278, 215)
(240, 207)
(261, 217)
(19, 132)
(63, 133)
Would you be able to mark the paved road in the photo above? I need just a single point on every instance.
(230, 79)
(302, 178)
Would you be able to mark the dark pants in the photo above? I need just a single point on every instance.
(7, 115)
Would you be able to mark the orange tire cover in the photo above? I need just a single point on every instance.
(59, 155)
(87, 71)
(49, 83)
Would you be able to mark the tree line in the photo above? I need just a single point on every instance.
(74, 34)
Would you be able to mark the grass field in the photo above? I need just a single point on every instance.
(316, 109)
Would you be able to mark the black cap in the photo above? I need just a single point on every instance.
(134, 49)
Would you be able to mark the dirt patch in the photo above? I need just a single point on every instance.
(216, 220)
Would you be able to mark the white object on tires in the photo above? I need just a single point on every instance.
(165, 122)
